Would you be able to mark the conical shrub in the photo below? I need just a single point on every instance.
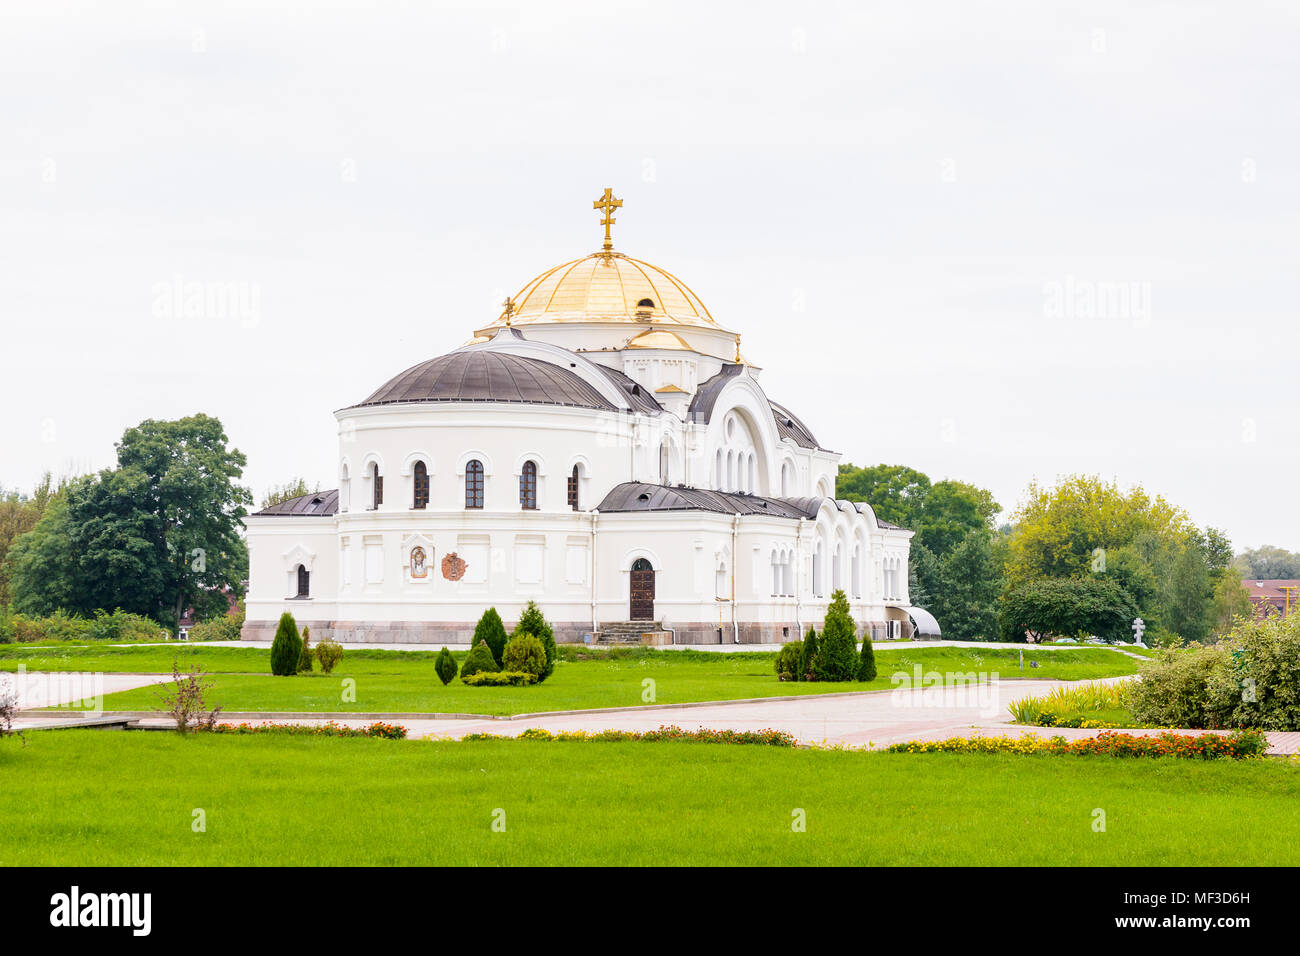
(533, 622)
(491, 631)
(480, 659)
(837, 652)
(807, 657)
(867, 660)
(286, 649)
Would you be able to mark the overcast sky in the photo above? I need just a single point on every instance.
(995, 244)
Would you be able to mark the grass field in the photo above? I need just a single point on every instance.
(129, 798)
(404, 681)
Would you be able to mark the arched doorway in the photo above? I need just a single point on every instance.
(642, 591)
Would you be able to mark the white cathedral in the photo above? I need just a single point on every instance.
(603, 449)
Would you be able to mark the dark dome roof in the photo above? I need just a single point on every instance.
(483, 376)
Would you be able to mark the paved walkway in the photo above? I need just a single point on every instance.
(855, 719)
(61, 688)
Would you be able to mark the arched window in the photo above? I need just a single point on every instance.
(753, 474)
(474, 484)
(717, 469)
(787, 480)
(304, 581)
(528, 486)
(345, 489)
(663, 463)
(376, 487)
(421, 485)
(573, 489)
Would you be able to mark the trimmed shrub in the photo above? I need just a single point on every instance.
(479, 659)
(445, 666)
(837, 653)
(491, 632)
(532, 622)
(305, 657)
(867, 660)
(329, 652)
(525, 653)
(286, 649)
(1184, 689)
(787, 660)
(808, 657)
(500, 679)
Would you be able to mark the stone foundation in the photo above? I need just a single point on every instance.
(566, 632)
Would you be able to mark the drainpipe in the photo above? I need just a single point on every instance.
(594, 626)
(735, 624)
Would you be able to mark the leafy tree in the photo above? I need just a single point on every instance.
(294, 489)
(491, 632)
(867, 660)
(1231, 601)
(525, 654)
(19, 514)
(445, 666)
(286, 648)
(1188, 596)
(965, 604)
(155, 535)
(329, 652)
(479, 659)
(837, 652)
(895, 492)
(1268, 563)
(922, 576)
(1064, 531)
(808, 656)
(950, 511)
(532, 622)
(1068, 607)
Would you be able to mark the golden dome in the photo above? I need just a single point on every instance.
(608, 287)
(659, 339)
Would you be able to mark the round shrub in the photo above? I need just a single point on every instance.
(479, 659)
(787, 660)
(286, 649)
(329, 652)
(525, 653)
(445, 666)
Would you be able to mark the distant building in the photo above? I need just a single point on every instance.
(1266, 595)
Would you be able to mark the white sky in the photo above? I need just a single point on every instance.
(919, 177)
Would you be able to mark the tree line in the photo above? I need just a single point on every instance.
(1081, 557)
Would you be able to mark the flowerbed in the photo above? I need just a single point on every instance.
(1239, 745)
(330, 729)
(768, 738)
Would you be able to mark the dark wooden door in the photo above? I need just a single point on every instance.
(643, 591)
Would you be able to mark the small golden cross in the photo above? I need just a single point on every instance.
(607, 204)
(510, 309)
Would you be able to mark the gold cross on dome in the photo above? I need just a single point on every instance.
(607, 204)
(509, 305)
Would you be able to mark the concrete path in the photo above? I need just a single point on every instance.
(61, 688)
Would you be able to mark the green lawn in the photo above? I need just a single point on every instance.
(404, 681)
(128, 798)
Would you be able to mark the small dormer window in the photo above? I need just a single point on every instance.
(646, 304)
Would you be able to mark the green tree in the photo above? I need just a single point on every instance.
(867, 660)
(525, 654)
(306, 658)
(837, 652)
(445, 666)
(923, 579)
(19, 514)
(1067, 607)
(965, 603)
(286, 648)
(950, 511)
(1189, 594)
(479, 659)
(808, 656)
(895, 492)
(1268, 563)
(491, 632)
(37, 563)
(533, 622)
(1231, 602)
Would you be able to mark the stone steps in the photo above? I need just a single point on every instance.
(625, 632)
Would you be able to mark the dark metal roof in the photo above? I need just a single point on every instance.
(641, 399)
(706, 396)
(790, 427)
(483, 376)
(641, 496)
(316, 504)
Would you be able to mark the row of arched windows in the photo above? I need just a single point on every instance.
(474, 486)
